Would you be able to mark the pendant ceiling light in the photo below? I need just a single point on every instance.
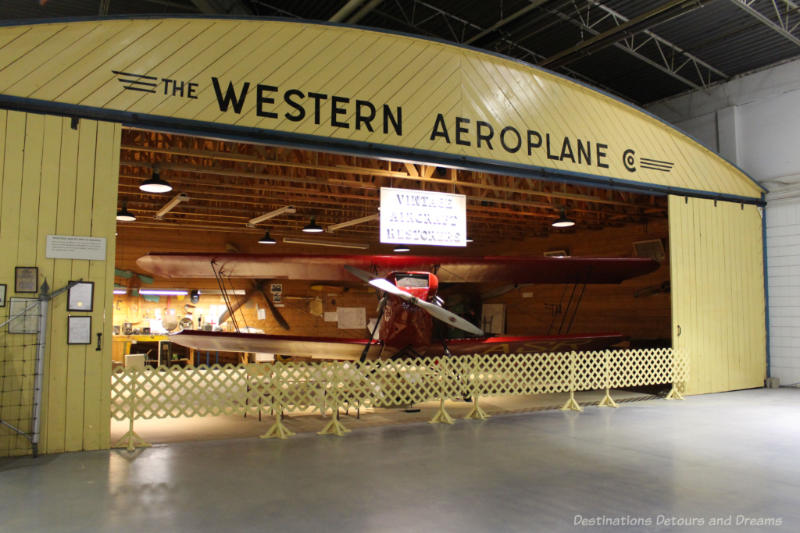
(267, 239)
(401, 249)
(312, 227)
(563, 221)
(123, 215)
(155, 184)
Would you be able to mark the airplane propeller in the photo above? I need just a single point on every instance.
(439, 313)
(258, 286)
(272, 309)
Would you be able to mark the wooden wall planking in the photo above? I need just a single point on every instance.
(61, 180)
(717, 293)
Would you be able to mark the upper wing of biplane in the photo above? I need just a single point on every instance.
(447, 269)
(311, 347)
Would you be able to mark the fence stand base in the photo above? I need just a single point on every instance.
(334, 427)
(476, 412)
(571, 404)
(130, 441)
(674, 393)
(441, 416)
(277, 430)
(607, 400)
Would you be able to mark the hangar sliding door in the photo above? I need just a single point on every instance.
(716, 263)
(58, 177)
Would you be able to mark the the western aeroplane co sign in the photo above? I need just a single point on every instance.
(352, 88)
(423, 217)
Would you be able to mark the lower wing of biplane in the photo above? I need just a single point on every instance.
(352, 349)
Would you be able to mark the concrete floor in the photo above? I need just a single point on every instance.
(182, 429)
(732, 455)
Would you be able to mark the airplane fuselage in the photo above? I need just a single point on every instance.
(404, 324)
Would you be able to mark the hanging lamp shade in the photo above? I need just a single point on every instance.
(563, 221)
(123, 215)
(155, 184)
(267, 239)
(312, 227)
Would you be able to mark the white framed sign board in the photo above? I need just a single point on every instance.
(423, 217)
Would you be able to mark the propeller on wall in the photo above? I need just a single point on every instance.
(256, 288)
(272, 309)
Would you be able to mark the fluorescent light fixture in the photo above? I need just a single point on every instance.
(237, 292)
(401, 249)
(353, 222)
(272, 214)
(470, 240)
(120, 291)
(155, 184)
(332, 244)
(563, 221)
(123, 215)
(169, 206)
(163, 292)
(267, 239)
(312, 227)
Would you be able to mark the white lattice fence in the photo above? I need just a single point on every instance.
(323, 386)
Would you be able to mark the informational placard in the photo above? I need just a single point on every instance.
(352, 317)
(79, 329)
(80, 296)
(75, 247)
(423, 217)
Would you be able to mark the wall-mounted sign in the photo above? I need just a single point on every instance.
(75, 247)
(423, 217)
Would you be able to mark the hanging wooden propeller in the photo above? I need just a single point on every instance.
(257, 287)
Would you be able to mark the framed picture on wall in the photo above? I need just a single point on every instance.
(79, 330)
(26, 279)
(80, 296)
(2, 294)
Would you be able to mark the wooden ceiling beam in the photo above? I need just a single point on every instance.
(424, 177)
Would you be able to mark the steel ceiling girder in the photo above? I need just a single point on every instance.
(644, 45)
(414, 16)
(786, 13)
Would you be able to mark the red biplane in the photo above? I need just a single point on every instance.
(409, 303)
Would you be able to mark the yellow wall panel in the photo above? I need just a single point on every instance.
(9, 229)
(55, 393)
(59, 180)
(717, 293)
(423, 78)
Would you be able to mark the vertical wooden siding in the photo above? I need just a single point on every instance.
(716, 262)
(60, 180)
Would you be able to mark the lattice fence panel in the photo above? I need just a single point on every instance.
(322, 386)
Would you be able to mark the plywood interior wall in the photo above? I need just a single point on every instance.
(718, 293)
(62, 180)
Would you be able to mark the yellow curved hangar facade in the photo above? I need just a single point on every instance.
(332, 87)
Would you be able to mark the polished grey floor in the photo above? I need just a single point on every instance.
(726, 456)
